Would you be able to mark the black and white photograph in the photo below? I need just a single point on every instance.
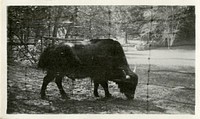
(101, 59)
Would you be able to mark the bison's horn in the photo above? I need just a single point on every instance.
(125, 75)
(134, 69)
(124, 72)
(128, 77)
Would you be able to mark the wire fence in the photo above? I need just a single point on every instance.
(150, 73)
(32, 86)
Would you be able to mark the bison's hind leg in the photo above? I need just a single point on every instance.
(105, 87)
(48, 78)
(60, 87)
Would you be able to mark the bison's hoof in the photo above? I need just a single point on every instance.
(108, 95)
(129, 97)
(64, 96)
(43, 97)
(96, 95)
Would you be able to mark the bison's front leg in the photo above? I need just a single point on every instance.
(60, 87)
(105, 87)
(48, 78)
(96, 85)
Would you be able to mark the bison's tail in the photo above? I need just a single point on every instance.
(41, 63)
(44, 59)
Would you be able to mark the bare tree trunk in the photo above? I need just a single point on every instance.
(126, 38)
(55, 29)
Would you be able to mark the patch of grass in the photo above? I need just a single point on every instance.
(169, 92)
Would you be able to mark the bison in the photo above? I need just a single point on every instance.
(102, 60)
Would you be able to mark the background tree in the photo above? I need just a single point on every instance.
(161, 25)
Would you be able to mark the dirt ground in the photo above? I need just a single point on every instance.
(168, 92)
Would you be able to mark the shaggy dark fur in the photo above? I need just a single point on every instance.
(99, 59)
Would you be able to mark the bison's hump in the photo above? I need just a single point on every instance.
(101, 40)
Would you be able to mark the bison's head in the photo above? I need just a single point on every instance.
(128, 83)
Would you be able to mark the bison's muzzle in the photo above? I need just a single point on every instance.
(128, 84)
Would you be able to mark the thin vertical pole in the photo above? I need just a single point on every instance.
(49, 23)
(75, 21)
(149, 59)
(41, 44)
(90, 28)
(109, 24)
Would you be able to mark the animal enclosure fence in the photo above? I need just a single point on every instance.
(156, 82)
